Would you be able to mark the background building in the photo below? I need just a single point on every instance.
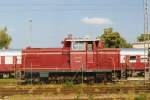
(143, 44)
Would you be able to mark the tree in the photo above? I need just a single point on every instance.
(113, 39)
(5, 39)
(143, 37)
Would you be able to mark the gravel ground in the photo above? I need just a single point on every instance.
(79, 97)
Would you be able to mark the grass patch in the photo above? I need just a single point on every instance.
(142, 96)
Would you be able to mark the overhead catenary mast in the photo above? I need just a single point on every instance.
(145, 16)
(146, 45)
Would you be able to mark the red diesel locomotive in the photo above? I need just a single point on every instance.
(80, 59)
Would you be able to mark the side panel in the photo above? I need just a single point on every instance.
(78, 60)
(51, 61)
(45, 59)
(91, 61)
(108, 59)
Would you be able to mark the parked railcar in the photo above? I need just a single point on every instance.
(9, 61)
(133, 60)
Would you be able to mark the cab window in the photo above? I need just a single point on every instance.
(132, 59)
(144, 59)
(90, 46)
(78, 46)
(8, 59)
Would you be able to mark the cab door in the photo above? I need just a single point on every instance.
(91, 54)
(78, 56)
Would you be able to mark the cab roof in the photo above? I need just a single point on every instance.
(81, 39)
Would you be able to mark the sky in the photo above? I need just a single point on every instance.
(53, 20)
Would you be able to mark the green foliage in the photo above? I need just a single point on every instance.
(113, 39)
(141, 97)
(91, 97)
(5, 39)
(69, 83)
(143, 37)
(77, 98)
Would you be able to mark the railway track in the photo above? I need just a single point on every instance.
(65, 90)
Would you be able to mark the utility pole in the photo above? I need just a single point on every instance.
(30, 43)
(82, 73)
(30, 32)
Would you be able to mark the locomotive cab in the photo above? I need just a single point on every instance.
(84, 57)
(83, 53)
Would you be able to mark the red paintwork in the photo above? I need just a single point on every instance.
(65, 59)
(54, 59)
(109, 59)
(45, 59)
(137, 65)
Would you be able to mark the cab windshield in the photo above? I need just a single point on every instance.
(77, 45)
